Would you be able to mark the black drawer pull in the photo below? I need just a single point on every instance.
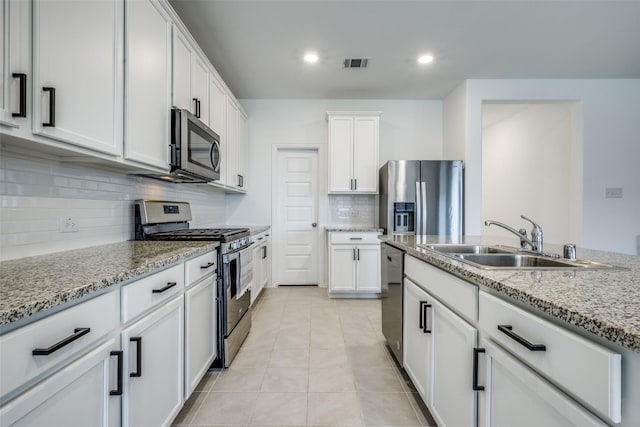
(197, 109)
(389, 258)
(475, 385)
(52, 107)
(22, 111)
(161, 290)
(77, 333)
(424, 305)
(118, 390)
(211, 264)
(264, 252)
(138, 371)
(507, 330)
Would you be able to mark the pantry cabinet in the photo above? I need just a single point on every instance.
(15, 66)
(154, 367)
(354, 262)
(353, 152)
(147, 94)
(78, 73)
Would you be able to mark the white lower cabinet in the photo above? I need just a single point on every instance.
(418, 337)
(513, 395)
(261, 264)
(154, 367)
(84, 393)
(200, 332)
(354, 262)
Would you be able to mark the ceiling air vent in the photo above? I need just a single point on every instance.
(355, 63)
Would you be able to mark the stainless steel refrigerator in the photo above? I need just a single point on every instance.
(421, 197)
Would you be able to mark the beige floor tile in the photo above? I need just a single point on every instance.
(328, 357)
(287, 380)
(326, 339)
(334, 409)
(353, 339)
(375, 379)
(207, 381)
(291, 338)
(252, 357)
(286, 357)
(423, 414)
(190, 409)
(280, 409)
(369, 356)
(260, 339)
(221, 408)
(338, 379)
(387, 409)
(239, 379)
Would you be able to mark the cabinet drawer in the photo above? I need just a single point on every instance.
(146, 293)
(197, 268)
(18, 365)
(355, 238)
(588, 371)
(461, 296)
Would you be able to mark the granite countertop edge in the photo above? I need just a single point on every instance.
(72, 284)
(353, 229)
(505, 282)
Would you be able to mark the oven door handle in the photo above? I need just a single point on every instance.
(235, 251)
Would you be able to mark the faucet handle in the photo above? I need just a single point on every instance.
(535, 224)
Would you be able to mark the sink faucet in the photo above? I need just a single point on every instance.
(536, 234)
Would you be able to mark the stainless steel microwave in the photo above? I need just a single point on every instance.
(195, 149)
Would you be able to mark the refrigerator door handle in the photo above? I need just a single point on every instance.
(423, 206)
(418, 209)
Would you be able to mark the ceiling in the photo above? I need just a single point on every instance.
(257, 45)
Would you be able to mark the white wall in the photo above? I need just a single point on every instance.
(408, 130)
(527, 152)
(610, 134)
(36, 193)
(454, 123)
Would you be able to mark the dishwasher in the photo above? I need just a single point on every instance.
(392, 296)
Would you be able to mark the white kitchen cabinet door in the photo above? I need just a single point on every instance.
(340, 154)
(258, 283)
(231, 145)
(365, 159)
(147, 83)
(181, 75)
(513, 395)
(200, 88)
(77, 395)
(453, 400)
(154, 367)
(266, 263)
(200, 332)
(78, 73)
(418, 338)
(218, 120)
(342, 276)
(15, 70)
(368, 268)
(243, 149)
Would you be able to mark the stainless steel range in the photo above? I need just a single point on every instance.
(163, 220)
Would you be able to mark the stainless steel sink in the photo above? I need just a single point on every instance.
(468, 249)
(493, 257)
(527, 261)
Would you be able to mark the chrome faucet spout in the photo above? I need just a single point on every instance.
(522, 234)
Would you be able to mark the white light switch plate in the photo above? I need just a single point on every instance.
(68, 224)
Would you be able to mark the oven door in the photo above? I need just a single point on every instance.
(195, 148)
(235, 280)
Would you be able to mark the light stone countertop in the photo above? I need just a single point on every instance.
(603, 302)
(31, 285)
(353, 229)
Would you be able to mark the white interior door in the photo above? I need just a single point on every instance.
(296, 244)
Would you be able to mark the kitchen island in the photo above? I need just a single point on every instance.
(565, 340)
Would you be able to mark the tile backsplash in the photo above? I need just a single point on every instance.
(357, 210)
(36, 194)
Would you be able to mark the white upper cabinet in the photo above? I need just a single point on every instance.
(353, 152)
(217, 119)
(243, 150)
(15, 70)
(190, 78)
(200, 88)
(235, 147)
(148, 94)
(77, 73)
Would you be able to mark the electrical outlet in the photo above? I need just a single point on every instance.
(613, 193)
(68, 224)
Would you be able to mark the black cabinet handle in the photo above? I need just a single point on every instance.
(118, 390)
(389, 258)
(161, 290)
(240, 181)
(355, 183)
(197, 105)
(138, 371)
(358, 254)
(476, 387)
(355, 238)
(264, 252)
(211, 264)
(507, 330)
(424, 305)
(52, 107)
(77, 333)
(22, 111)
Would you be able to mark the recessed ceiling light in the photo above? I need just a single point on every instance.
(425, 59)
(311, 57)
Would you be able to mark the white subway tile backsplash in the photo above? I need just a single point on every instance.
(36, 193)
(358, 210)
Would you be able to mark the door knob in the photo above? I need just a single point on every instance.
(314, 224)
